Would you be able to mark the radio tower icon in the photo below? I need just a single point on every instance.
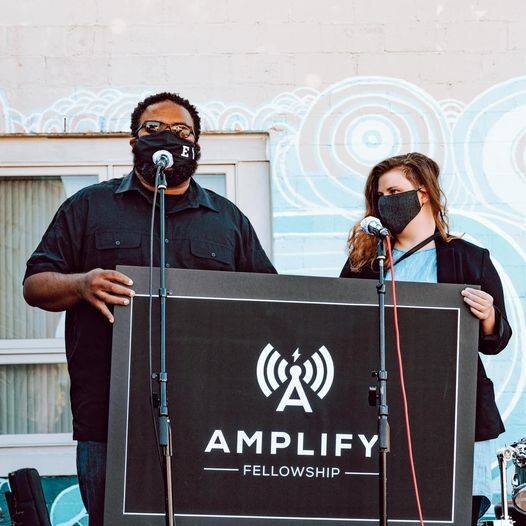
(316, 372)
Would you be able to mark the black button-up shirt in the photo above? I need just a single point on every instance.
(108, 224)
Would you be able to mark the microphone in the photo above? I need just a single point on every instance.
(372, 226)
(163, 158)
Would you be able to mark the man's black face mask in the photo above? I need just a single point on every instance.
(185, 154)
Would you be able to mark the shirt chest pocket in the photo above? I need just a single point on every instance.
(207, 255)
(118, 248)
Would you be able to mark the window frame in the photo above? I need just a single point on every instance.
(239, 156)
(228, 169)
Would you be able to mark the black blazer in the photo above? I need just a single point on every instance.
(462, 262)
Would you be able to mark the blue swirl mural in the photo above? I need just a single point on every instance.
(63, 498)
(322, 145)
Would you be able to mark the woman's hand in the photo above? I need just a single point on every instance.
(481, 306)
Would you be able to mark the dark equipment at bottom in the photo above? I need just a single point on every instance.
(516, 516)
(26, 503)
(519, 478)
(512, 511)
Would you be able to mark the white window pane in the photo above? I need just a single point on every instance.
(27, 205)
(214, 182)
(211, 181)
(73, 183)
(34, 399)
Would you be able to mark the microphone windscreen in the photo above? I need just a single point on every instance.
(369, 223)
(163, 155)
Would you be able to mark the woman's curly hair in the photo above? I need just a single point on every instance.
(421, 171)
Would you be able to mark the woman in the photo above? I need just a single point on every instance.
(404, 193)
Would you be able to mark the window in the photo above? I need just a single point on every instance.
(34, 382)
(36, 174)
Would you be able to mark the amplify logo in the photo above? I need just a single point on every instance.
(316, 372)
(259, 452)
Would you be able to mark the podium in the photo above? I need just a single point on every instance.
(268, 382)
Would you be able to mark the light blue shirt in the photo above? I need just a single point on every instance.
(420, 266)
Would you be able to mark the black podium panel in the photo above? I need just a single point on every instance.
(268, 382)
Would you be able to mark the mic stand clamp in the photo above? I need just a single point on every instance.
(504, 455)
(165, 435)
(378, 395)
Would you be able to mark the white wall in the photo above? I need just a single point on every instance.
(248, 51)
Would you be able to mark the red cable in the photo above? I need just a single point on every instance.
(402, 385)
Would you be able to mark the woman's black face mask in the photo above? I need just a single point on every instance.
(398, 210)
(185, 154)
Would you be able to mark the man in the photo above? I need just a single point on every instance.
(108, 224)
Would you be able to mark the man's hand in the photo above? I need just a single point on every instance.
(105, 287)
(54, 291)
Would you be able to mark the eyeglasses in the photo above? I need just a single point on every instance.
(153, 127)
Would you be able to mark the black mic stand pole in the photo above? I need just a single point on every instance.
(378, 394)
(165, 434)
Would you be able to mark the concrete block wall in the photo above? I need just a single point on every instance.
(238, 51)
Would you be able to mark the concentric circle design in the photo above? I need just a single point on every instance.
(356, 123)
(4, 115)
(452, 109)
(489, 142)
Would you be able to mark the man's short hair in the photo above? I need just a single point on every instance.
(160, 97)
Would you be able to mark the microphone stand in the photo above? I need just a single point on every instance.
(378, 394)
(165, 433)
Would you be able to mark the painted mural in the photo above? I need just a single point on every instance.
(322, 145)
(64, 502)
